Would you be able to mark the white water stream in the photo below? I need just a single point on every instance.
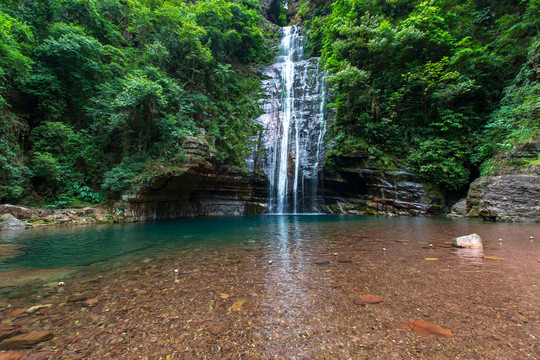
(294, 127)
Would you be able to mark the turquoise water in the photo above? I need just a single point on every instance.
(73, 246)
(76, 246)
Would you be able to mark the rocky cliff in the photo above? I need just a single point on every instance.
(512, 192)
(509, 197)
(353, 186)
(270, 10)
(202, 187)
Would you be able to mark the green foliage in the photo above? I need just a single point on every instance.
(421, 79)
(47, 167)
(105, 82)
(517, 120)
(120, 177)
(14, 173)
(441, 162)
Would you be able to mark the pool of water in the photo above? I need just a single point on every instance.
(75, 246)
(278, 286)
(79, 246)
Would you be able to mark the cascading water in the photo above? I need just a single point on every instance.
(294, 125)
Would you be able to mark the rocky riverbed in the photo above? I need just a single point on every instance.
(352, 292)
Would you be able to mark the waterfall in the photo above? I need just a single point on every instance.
(294, 126)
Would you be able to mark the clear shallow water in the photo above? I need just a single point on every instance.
(72, 246)
(76, 246)
(278, 287)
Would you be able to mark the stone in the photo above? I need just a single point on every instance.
(238, 305)
(13, 355)
(10, 222)
(16, 313)
(199, 189)
(459, 209)
(468, 241)
(371, 299)
(5, 334)
(37, 308)
(17, 211)
(425, 328)
(511, 197)
(215, 329)
(90, 302)
(24, 340)
(44, 311)
(351, 186)
(41, 355)
(359, 301)
(77, 297)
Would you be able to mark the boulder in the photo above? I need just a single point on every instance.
(10, 222)
(468, 241)
(510, 197)
(459, 209)
(19, 212)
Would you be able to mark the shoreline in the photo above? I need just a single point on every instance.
(30, 217)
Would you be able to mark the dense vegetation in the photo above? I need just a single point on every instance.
(438, 85)
(96, 92)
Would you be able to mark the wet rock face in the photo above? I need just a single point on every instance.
(512, 197)
(198, 192)
(294, 123)
(270, 10)
(352, 188)
(202, 190)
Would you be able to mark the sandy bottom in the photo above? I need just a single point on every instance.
(297, 298)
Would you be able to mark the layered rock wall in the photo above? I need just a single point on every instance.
(203, 190)
(356, 188)
(512, 193)
(511, 197)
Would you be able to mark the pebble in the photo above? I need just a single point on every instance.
(215, 329)
(367, 299)
(33, 309)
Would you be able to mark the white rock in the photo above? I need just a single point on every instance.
(10, 222)
(33, 309)
(468, 241)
